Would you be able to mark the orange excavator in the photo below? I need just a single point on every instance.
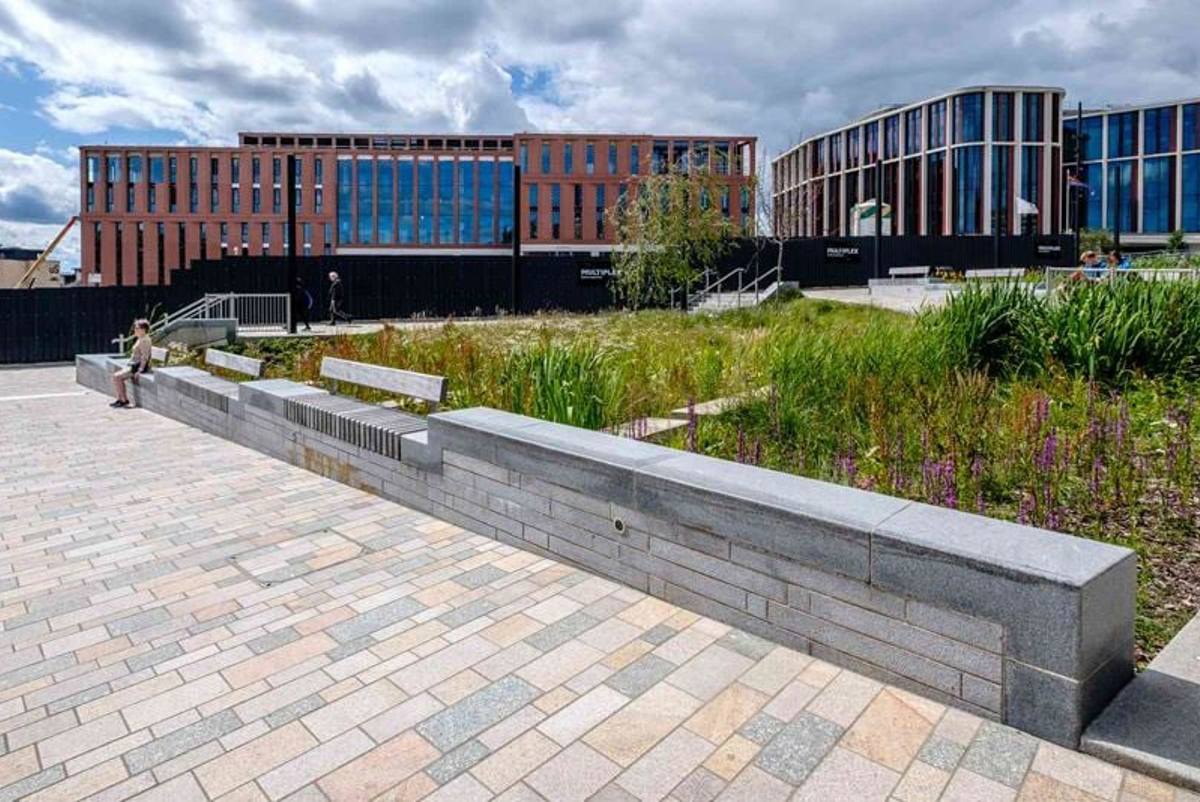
(37, 263)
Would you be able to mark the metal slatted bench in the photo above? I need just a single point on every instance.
(369, 426)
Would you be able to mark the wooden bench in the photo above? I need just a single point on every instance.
(159, 354)
(996, 272)
(368, 426)
(912, 271)
(245, 365)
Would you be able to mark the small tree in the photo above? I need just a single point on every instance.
(669, 230)
(1175, 240)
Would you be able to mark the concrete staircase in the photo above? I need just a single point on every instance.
(721, 301)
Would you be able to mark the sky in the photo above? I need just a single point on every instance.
(76, 72)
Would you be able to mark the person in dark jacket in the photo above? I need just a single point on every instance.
(302, 302)
(337, 300)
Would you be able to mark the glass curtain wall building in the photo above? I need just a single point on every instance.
(1139, 169)
(148, 210)
(971, 161)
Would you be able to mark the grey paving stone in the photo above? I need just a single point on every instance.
(478, 577)
(571, 580)
(611, 793)
(561, 631)
(213, 623)
(467, 718)
(293, 711)
(746, 644)
(798, 748)
(410, 565)
(132, 623)
(942, 753)
(641, 675)
(761, 728)
(33, 782)
(659, 634)
(36, 670)
(76, 699)
(182, 740)
(454, 763)
(351, 647)
(139, 574)
(467, 613)
(153, 657)
(1000, 753)
(273, 640)
(374, 619)
(699, 786)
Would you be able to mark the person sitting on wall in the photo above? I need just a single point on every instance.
(139, 363)
(1090, 267)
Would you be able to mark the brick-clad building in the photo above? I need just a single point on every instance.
(147, 210)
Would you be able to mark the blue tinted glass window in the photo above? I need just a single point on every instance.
(1002, 186)
(425, 200)
(1031, 175)
(568, 157)
(255, 170)
(835, 152)
(912, 131)
(345, 178)
(1092, 175)
(555, 211)
(590, 164)
(1158, 195)
(1191, 193)
(1122, 134)
(600, 212)
(1032, 107)
(386, 169)
(545, 157)
(1002, 116)
(366, 200)
(660, 156)
(114, 168)
(405, 199)
(235, 170)
(871, 140)
(524, 158)
(1122, 173)
(135, 169)
(852, 148)
(968, 117)
(612, 158)
(635, 161)
(93, 169)
(445, 201)
(156, 169)
(937, 124)
(466, 201)
(533, 211)
(1092, 140)
(968, 190)
(1160, 130)
(505, 201)
(1191, 126)
(891, 137)
(487, 203)
(318, 170)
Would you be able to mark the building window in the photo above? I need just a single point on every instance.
(747, 220)
(345, 189)
(853, 149)
(1032, 128)
(318, 171)
(891, 137)
(681, 155)
(937, 125)
(276, 170)
(1002, 116)
(172, 177)
(1002, 166)
(255, 200)
(935, 193)
(93, 169)
(120, 243)
(182, 256)
(725, 202)
(1120, 181)
(97, 246)
(600, 212)
(366, 198)
(968, 190)
(224, 240)
(912, 196)
(405, 199)
(568, 158)
(555, 211)
(545, 158)
(306, 229)
(612, 157)
(318, 200)
(1031, 186)
(235, 170)
(277, 200)
(245, 239)
(968, 117)
(445, 201)
(1159, 133)
(255, 170)
(871, 139)
(505, 201)
(266, 238)
(1122, 135)
(659, 156)
(386, 169)
(590, 160)
(466, 201)
(835, 153)
(425, 200)
(213, 181)
(141, 254)
(634, 158)
(327, 247)
(912, 131)
(487, 201)
(524, 157)
(1191, 193)
(1158, 194)
(578, 212)
(135, 169)
(203, 241)
(533, 211)
(1191, 126)
(1092, 140)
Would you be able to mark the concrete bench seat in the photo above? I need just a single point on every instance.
(247, 366)
(912, 271)
(210, 390)
(996, 272)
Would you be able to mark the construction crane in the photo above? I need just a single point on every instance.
(31, 273)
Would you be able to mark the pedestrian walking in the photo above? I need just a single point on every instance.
(337, 300)
(302, 304)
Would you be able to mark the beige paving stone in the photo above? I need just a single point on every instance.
(1147, 787)
(627, 654)
(725, 713)
(731, 757)
(512, 629)
(276, 660)
(572, 775)
(552, 701)
(683, 647)
(791, 700)
(921, 783)
(335, 718)
(648, 612)
(958, 726)
(889, 732)
(819, 673)
(119, 700)
(581, 715)
(83, 738)
(251, 760)
(340, 689)
(460, 686)
(559, 665)
(1078, 770)
(324, 620)
(773, 672)
(247, 793)
(662, 768)
(846, 696)
(846, 775)
(401, 717)
(756, 785)
(181, 789)
(16, 765)
(629, 733)
(709, 672)
(441, 592)
(1040, 788)
(418, 786)
(520, 757)
(177, 700)
(380, 769)
(553, 609)
(967, 786)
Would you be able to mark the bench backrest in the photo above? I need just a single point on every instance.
(997, 272)
(909, 271)
(393, 380)
(159, 354)
(235, 362)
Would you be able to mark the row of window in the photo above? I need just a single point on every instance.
(158, 263)
(1158, 132)
(407, 200)
(1158, 179)
(582, 158)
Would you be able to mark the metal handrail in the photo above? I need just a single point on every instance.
(701, 294)
(205, 309)
(776, 269)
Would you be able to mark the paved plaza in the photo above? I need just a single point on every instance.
(185, 619)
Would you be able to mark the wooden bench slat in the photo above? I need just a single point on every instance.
(909, 271)
(235, 362)
(159, 354)
(392, 380)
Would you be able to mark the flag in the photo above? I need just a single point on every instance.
(1025, 207)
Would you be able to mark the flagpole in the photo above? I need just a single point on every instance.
(1071, 193)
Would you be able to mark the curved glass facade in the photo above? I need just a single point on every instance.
(968, 190)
